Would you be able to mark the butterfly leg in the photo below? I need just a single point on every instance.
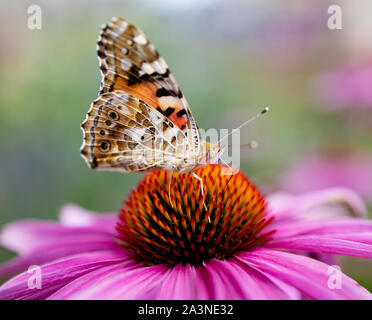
(169, 186)
(201, 187)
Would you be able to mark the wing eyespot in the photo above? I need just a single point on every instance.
(113, 115)
(104, 146)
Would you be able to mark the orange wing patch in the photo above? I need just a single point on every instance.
(167, 105)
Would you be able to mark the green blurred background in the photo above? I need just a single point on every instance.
(230, 58)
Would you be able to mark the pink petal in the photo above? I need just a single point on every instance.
(248, 282)
(26, 236)
(219, 280)
(310, 206)
(58, 273)
(74, 216)
(120, 281)
(291, 292)
(52, 252)
(307, 275)
(179, 284)
(340, 245)
(345, 225)
(319, 171)
(38, 242)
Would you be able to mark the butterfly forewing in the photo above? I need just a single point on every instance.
(130, 63)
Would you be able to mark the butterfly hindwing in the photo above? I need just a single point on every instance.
(130, 63)
(122, 132)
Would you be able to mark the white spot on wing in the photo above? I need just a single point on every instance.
(140, 39)
(147, 68)
(169, 101)
(125, 64)
(124, 50)
(121, 27)
(160, 66)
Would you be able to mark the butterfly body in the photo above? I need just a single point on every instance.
(141, 121)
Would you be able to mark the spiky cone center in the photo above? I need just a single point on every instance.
(156, 228)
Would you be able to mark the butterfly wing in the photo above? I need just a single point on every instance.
(130, 63)
(122, 132)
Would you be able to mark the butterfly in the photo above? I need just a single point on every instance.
(141, 121)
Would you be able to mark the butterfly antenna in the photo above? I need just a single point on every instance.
(246, 122)
(251, 145)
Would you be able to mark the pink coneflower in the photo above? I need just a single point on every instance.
(240, 247)
(344, 88)
(318, 172)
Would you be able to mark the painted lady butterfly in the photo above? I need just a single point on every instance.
(141, 121)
